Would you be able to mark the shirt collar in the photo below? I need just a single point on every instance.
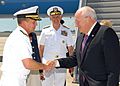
(23, 30)
(91, 29)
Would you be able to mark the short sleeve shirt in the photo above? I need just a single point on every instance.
(17, 48)
(55, 42)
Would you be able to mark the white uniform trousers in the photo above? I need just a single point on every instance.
(56, 77)
(34, 79)
(13, 80)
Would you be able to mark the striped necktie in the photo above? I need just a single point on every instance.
(84, 42)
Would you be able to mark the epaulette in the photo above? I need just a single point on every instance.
(66, 27)
(46, 27)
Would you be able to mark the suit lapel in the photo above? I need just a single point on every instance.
(79, 43)
(90, 38)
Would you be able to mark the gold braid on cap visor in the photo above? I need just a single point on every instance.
(36, 17)
(55, 13)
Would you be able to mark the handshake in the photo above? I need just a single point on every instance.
(49, 65)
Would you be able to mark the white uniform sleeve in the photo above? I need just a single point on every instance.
(23, 50)
(70, 39)
(41, 40)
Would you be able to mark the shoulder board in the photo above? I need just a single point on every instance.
(46, 27)
(66, 27)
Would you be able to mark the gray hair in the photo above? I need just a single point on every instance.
(88, 11)
(19, 20)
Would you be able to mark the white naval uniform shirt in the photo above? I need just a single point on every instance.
(55, 42)
(17, 48)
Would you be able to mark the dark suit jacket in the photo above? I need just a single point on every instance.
(99, 62)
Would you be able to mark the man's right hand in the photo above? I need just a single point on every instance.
(49, 65)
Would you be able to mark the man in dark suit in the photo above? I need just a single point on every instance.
(98, 62)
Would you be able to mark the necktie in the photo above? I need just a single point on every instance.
(84, 42)
(35, 50)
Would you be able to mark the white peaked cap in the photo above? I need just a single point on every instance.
(31, 12)
(26, 11)
(51, 11)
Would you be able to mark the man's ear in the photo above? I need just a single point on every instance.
(61, 17)
(50, 17)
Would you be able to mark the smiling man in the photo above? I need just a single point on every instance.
(53, 43)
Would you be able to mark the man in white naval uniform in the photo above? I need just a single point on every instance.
(17, 54)
(53, 43)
